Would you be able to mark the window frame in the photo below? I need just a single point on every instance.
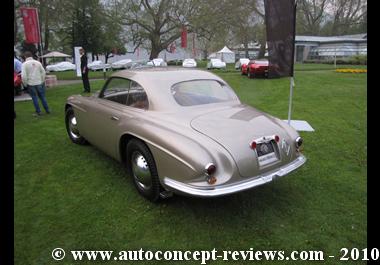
(101, 94)
(235, 96)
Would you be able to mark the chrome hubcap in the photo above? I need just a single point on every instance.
(141, 171)
(74, 132)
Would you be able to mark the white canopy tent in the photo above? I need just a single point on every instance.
(55, 55)
(226, 55)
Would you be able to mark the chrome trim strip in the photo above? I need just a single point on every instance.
(235, 187)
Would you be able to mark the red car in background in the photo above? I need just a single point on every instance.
(254, 68)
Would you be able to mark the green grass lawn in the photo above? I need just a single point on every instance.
(77, 198)
(71, 75)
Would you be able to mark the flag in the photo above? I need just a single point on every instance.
(280, 17)
(31, 24)
(184, 37)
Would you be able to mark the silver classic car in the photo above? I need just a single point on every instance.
(183, 131)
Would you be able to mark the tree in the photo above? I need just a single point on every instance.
(346, 16)
(156, 24)
(331, 17)
(311, 15)
(246, 22)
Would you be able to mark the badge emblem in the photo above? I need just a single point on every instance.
(285, 146)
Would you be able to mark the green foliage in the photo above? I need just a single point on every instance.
(353, 60)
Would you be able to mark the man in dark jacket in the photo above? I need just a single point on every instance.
(84, 70)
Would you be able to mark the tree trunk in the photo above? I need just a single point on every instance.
(156, 47)
(154, 52)
(205, 54)
(47, 35)
(246, 48)
(262, 48)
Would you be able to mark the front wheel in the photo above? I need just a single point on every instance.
(72, 127)
(142, 167)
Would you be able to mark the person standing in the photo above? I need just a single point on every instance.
(84, 70)
(33, 77)
(17, 75)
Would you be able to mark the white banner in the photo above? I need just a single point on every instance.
(77, 60)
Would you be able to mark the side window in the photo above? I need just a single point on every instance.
(117, 90)
(137, 97)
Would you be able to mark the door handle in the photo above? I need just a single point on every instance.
(114, 118)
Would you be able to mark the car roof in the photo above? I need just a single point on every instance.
(157, 82)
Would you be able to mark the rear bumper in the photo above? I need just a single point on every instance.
(182, 188)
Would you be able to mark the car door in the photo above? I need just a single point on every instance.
(120, 101)
(105, 116)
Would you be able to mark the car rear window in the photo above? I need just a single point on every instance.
(198, 92)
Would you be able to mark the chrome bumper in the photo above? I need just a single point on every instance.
(181, 188)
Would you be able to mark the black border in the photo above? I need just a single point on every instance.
(6, 134)
(373, 216)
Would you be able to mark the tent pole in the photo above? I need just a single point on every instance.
(290, 98)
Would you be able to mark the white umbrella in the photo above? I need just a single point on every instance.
(55, 55)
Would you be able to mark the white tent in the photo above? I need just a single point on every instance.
(55, 55)
(226, 55)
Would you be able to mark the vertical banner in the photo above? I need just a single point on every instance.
(31, 25)
(280, 19)
(184, 37)
(77, 61)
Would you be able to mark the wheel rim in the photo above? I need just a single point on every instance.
(74, 132)
(141, 171)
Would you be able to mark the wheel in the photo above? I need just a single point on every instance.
(142, 168)
(72, 128)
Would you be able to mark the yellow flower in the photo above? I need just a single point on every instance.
(350, 70)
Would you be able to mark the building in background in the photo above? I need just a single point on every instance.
(321, 48)
(253, 50)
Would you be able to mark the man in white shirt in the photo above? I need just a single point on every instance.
(33, 77)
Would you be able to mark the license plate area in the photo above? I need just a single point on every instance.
(266, 153)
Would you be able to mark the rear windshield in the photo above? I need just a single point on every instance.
(198, 92)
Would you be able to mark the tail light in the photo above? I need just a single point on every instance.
(276, 138)
(253, 145)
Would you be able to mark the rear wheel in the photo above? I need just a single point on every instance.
(72, 127)
(142, 168)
